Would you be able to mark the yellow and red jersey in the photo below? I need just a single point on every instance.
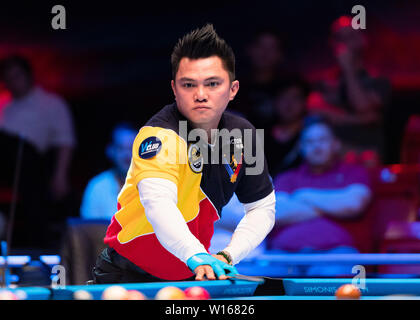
(161, 151)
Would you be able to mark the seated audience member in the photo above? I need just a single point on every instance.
(35, 123)
(281, 144)
(352, 97)
(42, 118)
(312, 198)
(100, 196)
(265, 53)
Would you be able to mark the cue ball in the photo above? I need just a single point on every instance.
(115, 293)
(348, 291)
(21, 295)
(170, 293)
(135, 295)
(197, 293)
(82, 295)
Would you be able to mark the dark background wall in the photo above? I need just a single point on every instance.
(112, 62)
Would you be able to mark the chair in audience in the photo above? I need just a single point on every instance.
(401, 237)
(396, 190)
(81, 245)
(396, 214)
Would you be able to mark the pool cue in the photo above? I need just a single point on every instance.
(5, 247)
(266, 285)
(247, 278)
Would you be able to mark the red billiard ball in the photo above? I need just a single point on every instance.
(348, 291)
(197, 293)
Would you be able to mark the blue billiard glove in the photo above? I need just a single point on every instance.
(219, 267)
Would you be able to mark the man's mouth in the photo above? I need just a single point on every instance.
(201, 107)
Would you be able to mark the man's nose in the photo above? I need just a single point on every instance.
(200, 94)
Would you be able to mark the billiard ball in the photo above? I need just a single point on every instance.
(135, 295)
(197, 293)
(82, 295)
(170, 293)
(348, 291)
(7, 295)
(21, 295)
(115, 293)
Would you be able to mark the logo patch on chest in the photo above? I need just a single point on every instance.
(195, 158)
(232, 167)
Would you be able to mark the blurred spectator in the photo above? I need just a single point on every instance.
(350, 96)
(40, 117)
(266, 56)
(100, 196)
(35, 122)
(314, 197)
(281, 144)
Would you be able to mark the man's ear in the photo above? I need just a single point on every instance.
(234, 88)
(173, 87)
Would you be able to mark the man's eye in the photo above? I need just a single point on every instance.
(213, 84)
(187, 85)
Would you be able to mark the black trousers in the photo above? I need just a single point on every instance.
(111, 267)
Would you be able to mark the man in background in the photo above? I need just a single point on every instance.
(100, 196)
(282, 139)
(313, 198)
(36, 124)
(42, 118)
(266, 57)
(350, 95)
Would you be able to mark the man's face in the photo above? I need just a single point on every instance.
(17, 81)
(120, 150)
(266, 52)
(319, 146)
(203, 90)
(290, 105)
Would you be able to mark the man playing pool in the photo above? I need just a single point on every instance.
(172, 195)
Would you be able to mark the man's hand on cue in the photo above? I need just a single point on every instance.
(203, 272)
(211, 267)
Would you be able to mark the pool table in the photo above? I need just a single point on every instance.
(254, 289)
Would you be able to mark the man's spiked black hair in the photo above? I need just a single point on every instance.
(203, 43)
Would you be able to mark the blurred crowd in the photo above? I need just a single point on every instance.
(320, 140)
